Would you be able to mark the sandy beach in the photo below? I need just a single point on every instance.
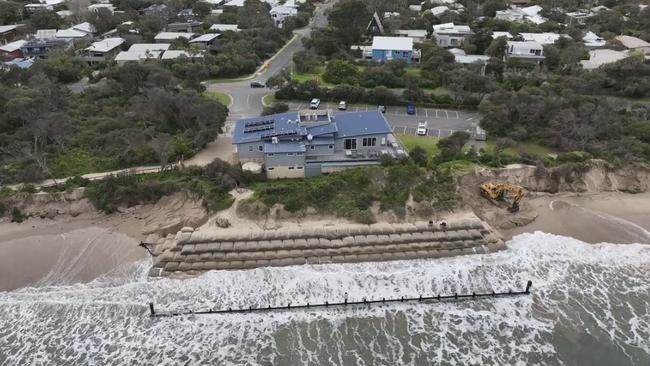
(67, 250)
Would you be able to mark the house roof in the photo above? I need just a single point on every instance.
(174, 54)
(632, 42)
(105, 45)
(23, 63)
(418, 33)
(377, 21)
(45, 34)
(591, 39)
(348, 124)
(451, 28)
(149, 47)
(7, 28)
(173, 35)
(205, 38)
(392, 43)
(600, 57)
(137, 55)
(237, 3)
(438, 10)
(84, 27)
(470, 59)
(498, 34)
(13, 46)
(543, 38)
(225, 27)
(70, 33)
(281, 9)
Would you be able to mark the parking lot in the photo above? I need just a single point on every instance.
(440, 122)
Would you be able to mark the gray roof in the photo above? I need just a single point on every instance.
(286, 127)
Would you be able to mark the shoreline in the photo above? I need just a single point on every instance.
(68, 249)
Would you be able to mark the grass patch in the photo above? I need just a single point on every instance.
(268, 99)
(77, 162)
(429, 144)
(317, 75)
(457, 167)
(222, 98)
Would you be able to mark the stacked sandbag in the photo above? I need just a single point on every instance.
(196, 251)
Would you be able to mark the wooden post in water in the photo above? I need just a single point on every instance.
(151, 309)
(528, 285)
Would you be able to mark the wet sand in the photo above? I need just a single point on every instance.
(593, 218)
(66, 250)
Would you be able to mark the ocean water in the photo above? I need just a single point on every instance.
(590, 305)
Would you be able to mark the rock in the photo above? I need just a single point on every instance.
(187, 229)
(171, 213)
(221, 222)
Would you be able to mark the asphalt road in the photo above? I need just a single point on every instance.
(440, 122)
(247, 101)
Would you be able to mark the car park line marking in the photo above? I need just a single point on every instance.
(447, 113)
(457, 116)
(436, 113)
(426, 112)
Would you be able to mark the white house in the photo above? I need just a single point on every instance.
(279, 13)
(526, 50)
(450, 35)
(418, 35)
(140, 52)
(103, 50)
(415, 8)
(497, 34)
(167, 37)
(225, 27)
(600, 57)
(592, 40)
(97, 7)
(77, 32)
(174, 54)
(543, 38)
(234, 3)
(527, 14)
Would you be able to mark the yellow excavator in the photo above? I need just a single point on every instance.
(497, 192)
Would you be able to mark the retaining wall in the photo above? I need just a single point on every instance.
(195, 251)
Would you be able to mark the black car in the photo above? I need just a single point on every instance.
(256, 84)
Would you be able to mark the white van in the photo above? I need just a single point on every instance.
(422, 128)
(343, 105)
(315, 103)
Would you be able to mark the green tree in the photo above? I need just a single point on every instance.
(103, 20)
(305, 61)
(45, 19)
(9, 12)
(450, 147)
(339, 71)
(497, 48)
(349, 18)
(419, 156)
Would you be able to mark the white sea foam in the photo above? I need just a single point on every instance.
(581, 293)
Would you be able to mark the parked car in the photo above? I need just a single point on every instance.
(410, 108)
(382, 108)
(422, 128)
(343, 105)
(314, 104)
(480, 134)
(257, 84)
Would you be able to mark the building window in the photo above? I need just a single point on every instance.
(331, 147)
(299, 153)
(290, 154)
(312, 147)
(370, 141)
(299, 167)
(350, 144)
(260, 148)
(250, 148)
(270, 168)
(270, 154)
(290, 168)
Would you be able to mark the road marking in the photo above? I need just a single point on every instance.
(447, 113)
(405, 130)
(436, 113)
(426, 112)
(457, 116)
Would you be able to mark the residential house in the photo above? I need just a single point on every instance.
(544, 39)
(392, 48)
(415, 8)
(234, 4)
(527, 14)
(39, 48)
(169, 37)
(579, 16)
(189, 27)
(43, 5)
(450, 35)
(45, 34)
(7, 33)
(208, 40)
(418, 35)
(174, 54)
(103, 50)
(634, 44)
(314, 142)
(97, 7)
(497, 34)
(462, 58)
(12, 50)
(375, 26)
(592, 40)
(439, 10)
(525, 50)
(600, 57)
(79, 32)
(225, 27)
(23, 63)
(160, 10)
(140, 52)
(279, 13)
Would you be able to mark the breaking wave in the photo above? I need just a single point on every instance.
(590, 305)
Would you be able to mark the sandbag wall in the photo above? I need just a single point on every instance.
(196, 251)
